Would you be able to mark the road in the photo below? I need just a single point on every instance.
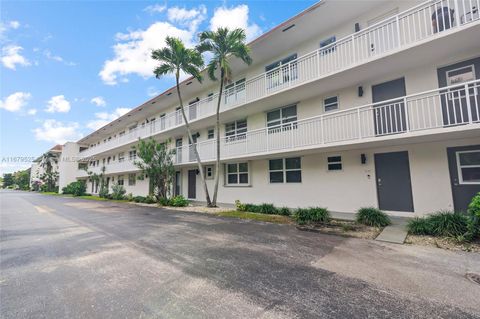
(72, 258)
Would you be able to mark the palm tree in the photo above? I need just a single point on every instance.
(176, 58)
(223, 44)
(46, 162)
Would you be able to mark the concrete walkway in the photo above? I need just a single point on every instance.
(396, 232)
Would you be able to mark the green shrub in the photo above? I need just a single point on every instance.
(77, 188)
(267, 209)
(311, 215)
(371, 216)
(178, 201)
(150, 200)
(443, 223)
(473, 227)
(164, 201)
(419, 226)
(139, 199)
(447, 223)
(129, 197)
(118, 191)
(285, 211)
(252, 208)
(103, 191)
(240, 207)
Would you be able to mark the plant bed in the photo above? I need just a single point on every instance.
(269, 218)
(447, 243)
(343, 228)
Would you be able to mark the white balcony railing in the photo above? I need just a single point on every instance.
(436, 109)
(394, 33)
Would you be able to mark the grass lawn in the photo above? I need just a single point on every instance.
(258, 217)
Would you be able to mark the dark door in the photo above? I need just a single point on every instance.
(389, 118)
(464, 166)
(192, 183)
(394, 189)
(178, 183)
(457, 100)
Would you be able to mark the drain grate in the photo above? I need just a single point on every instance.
(475, 278)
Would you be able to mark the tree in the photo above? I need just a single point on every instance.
(22, 179)
(97, 179)
(8, 180)
(156, 163)
(176, 58)
(223, 44)
(47, 160)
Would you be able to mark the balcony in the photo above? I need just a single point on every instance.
(111, 168)
(401, 31)
(454, 108)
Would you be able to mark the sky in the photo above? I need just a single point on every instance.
(69, 67)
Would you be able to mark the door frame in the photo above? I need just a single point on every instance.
(409, 177)
(194, 185)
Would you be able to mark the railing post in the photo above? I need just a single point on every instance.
(407, 117)
(353, 49)
(457, 13)
(398, 31)
(291, 135)
(359, 124)
(318, 62)
(322, 131)
(469, 106)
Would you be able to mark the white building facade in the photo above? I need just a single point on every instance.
(346, 105)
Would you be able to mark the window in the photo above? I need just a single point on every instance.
(162, 121)
(210, 97)
(334, 163)
(330, 103)
(468, 165)
(178, 116)
(132, 128)
(237, 174)
(121, 157)
(120, 180)
(281, 71)
(211, 133)
(236, 130)
(234, 91)
(328, 43)
(209, 172)
(132, 179)
(121, 134)
(132, 155)
(280, 118)
(285, 170)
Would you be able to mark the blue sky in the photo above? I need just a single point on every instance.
(67, 67)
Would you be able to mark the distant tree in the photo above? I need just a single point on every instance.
(8, 180)
(223, 44)
(49, 177)
(22, 179)
(98, 180)
(156, 163)
(176, 58)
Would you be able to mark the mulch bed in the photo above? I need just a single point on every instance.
(443, 242)
(343, 228)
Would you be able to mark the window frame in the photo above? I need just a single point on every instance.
(334, 163)
(121, 157)
(332, 40)
(236, 134)
(237, 173)
(212, 168)
(460, 166)
(120, 180)
(212, 130)
(283, 125)
(132, 181)
(284, 170)
(329, 104)
(132, 157)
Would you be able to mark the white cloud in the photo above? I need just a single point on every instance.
(58, 104)
(155, 8)
(103, 118)
(98, 101)
(151, 91)
(184, 17)
(57, 58)
(14, 24)
(15, 102)
(57, 132)
(11, 56)
(133, 50)
(32, 111)
(235, 17)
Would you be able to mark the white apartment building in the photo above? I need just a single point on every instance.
(346, 105)
(37, 169)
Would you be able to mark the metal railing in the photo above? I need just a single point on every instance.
(457, 105)
(394, 33)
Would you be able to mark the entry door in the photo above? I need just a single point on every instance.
(464, 166)
(394, 188)
(456, 101)
(389, 118)
(192, 183)
(178, 183)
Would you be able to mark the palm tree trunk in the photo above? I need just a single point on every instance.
(217, 128)
(194, 145)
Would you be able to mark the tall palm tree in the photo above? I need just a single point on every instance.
(47, 160)
(223, 44)
(176, 58)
